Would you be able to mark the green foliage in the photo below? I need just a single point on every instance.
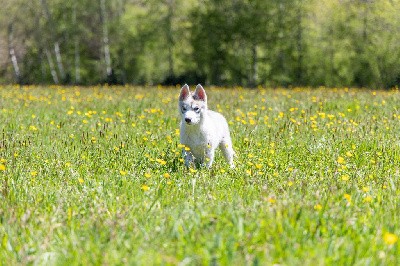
(247, 43)
(94, 175)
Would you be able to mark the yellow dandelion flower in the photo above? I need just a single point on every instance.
(166, 175)
(187, 148)
(145, 187)
(340, 160)
(80, 180)
(318, 207)
(272, 144)
(290, 183)
(147, 175)
(122, 172)
(34, 173)
(161, 161)
(192, 170)
(2, 167)
(390, 239)
(368, 199)
(347, 197)
(139, 96)
(345, 178)
(271, 200)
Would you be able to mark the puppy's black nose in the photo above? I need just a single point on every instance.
(188, 120)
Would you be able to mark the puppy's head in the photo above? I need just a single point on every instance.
(192, 105)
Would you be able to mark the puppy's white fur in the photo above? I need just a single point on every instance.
(202, 130)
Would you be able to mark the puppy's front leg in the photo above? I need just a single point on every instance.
(189, 159)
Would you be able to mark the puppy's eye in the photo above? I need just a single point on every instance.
(184, 109)
(196, 109)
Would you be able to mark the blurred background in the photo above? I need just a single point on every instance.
(218, 42)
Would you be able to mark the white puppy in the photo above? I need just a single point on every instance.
(202, 130)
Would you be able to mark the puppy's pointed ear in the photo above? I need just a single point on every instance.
(185, 92)
(200, 93)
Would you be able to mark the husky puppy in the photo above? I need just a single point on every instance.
(202, 130)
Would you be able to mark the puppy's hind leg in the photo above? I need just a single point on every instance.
(228, 152)
(209, 158)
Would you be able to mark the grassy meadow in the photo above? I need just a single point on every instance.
(94, 176)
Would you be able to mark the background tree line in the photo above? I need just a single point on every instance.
(220, 42)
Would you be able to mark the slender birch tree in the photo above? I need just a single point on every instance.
(105, 39)
(56, 44)
(12, 54)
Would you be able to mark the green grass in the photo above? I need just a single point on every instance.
(94, 176)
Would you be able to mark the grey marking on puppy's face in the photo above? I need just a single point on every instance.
(191, 111)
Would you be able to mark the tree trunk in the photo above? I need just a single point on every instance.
(106, 44)
(77, 62)
(51, 65)
(43, 69)
(76, 50)
(13, 57)
(170, 37)
(254, 62)
(299, 46)
(57, 51)
(59, 60)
